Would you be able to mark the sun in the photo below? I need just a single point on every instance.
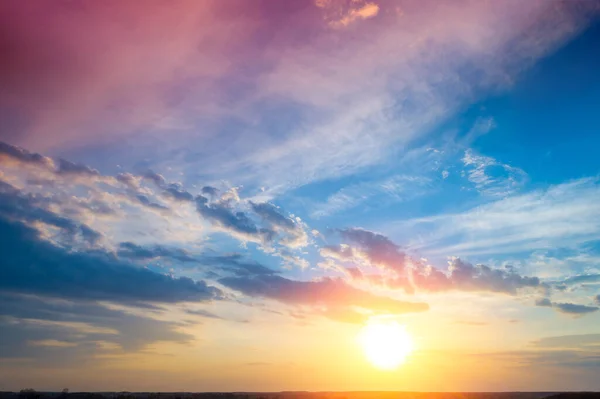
(386, 344)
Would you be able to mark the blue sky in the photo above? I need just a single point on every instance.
(234, 186)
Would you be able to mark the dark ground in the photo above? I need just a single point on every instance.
(29, 394)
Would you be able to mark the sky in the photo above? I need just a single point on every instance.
(220, 195)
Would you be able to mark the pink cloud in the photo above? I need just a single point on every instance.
(368, 10)
(108, 67)
(88, 73)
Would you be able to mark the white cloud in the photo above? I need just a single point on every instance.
(360, 100)
(564, 215)
(492, 178)
(393, 189)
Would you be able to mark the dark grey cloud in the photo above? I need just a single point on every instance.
(332, 293)
(27, 319)
(210, 191)
(69, 168)
(155, 178)
(144, 200)
(22, 155)
(89, 234)
(574, 309)
(272, 215)
(544, 302)
(567, 308)
(237, 223)
(215, 264)
(177, 193)
(35, 266)
(236, 264)
(597, 299)
(138, 252)
(14, 205)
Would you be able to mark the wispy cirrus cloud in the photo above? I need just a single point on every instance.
(563, 215)
(394, 189)
(311, 106)
(492, 178)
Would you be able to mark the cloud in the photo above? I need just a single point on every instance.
(80, 330)
(395, 188)
(294, 233)
(15, 205)
(238, 224)
(144, 200)
(236, 264)
(464, 276)
(544, 302)
(368, 10)
(210, 191)
(155, 178)
(597, 299)
(149, 90)
(69, 168)
(581, 279)
(175, 192)
(567, 308)
(491, 177)
(126, 207)
(133, 251)
(376, 250)
(561, 216)
(373, 247)
(32, 265)
(328, 292)
(393, 82)
(19, 154)
(574, 309)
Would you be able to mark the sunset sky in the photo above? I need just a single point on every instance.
(220, 195)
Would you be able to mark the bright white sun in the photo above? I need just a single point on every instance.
(386, 344)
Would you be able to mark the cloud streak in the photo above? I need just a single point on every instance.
(563, 215)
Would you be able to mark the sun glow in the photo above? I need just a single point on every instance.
(386, 344)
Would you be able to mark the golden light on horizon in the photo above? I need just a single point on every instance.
(386, 344)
